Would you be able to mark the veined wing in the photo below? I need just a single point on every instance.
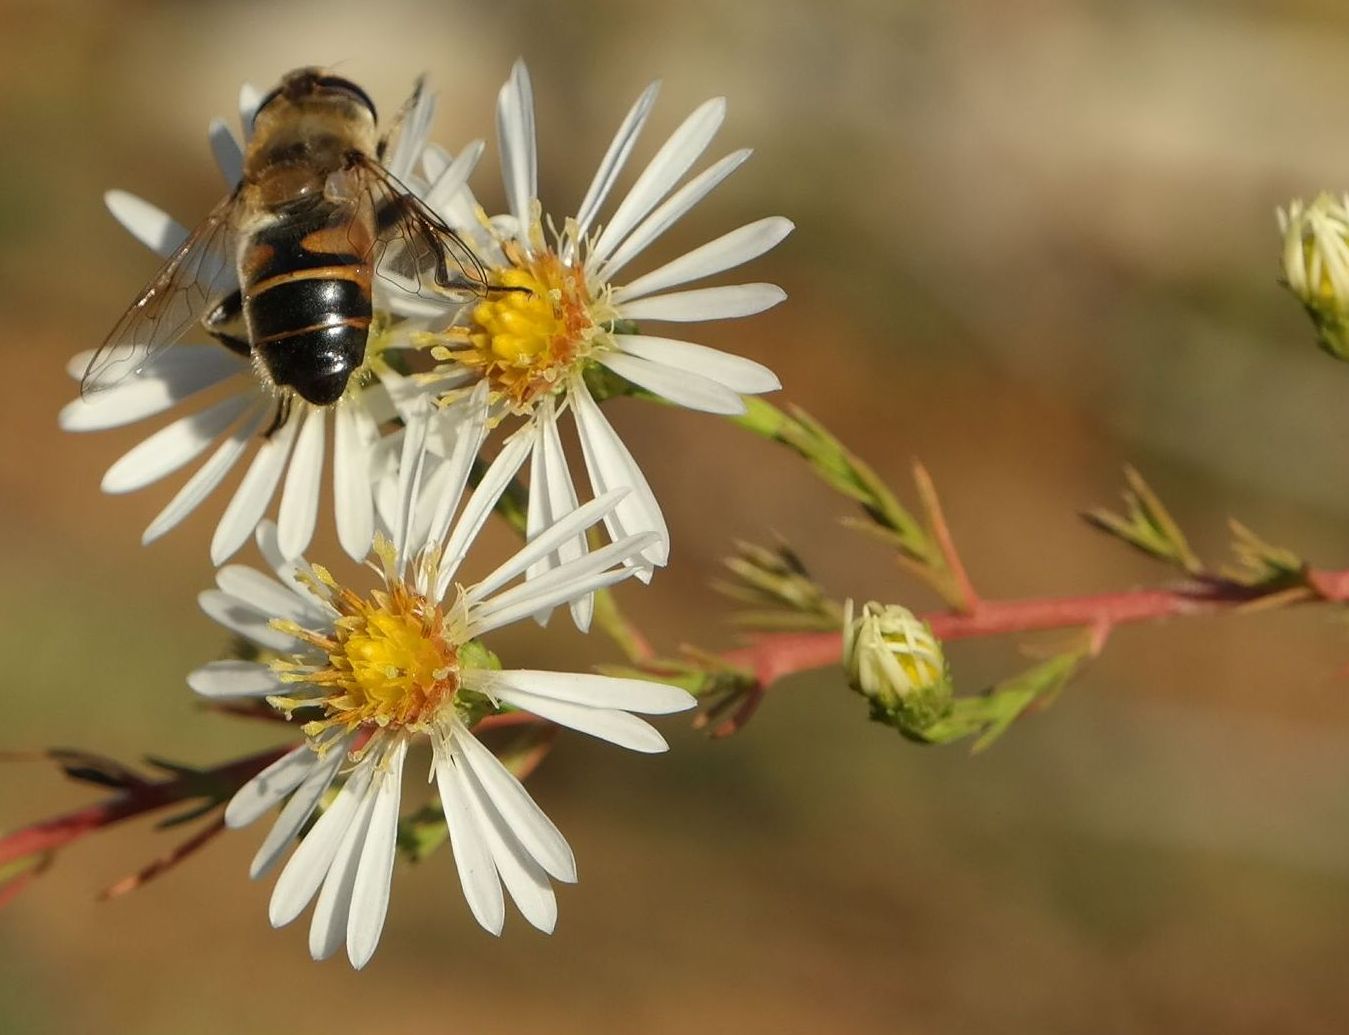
(194, 279)
(416, 251)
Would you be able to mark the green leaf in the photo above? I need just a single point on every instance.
(989, 715)
(777, 590)
(1263, 564)
(1147, 526)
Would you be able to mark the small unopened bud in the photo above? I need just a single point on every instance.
(1316, 265)
(895, 662)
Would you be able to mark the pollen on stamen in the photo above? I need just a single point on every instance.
(527, 342)
(391, 660)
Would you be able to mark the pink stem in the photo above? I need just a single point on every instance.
(134, 801)
(777, 655)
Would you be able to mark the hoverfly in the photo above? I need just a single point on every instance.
(282, 268)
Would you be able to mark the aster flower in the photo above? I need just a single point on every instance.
(403, 663)
(533, 346)
(231, 408)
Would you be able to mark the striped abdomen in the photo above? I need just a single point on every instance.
(306, 280)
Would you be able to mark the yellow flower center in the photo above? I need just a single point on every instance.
(526, 340)
(389, 661)
(921, 669)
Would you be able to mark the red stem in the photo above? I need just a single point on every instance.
(771, 657)
(134, 801)
(165, 863)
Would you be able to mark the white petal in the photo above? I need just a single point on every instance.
(410, 479)
(305, 870)
(531, 827)
(353, 434)
(397, 294)
(679, 386)
(173, 446)
(735, 372)
(328, 928)
(615, 554)
(612, 164)
(151, 226)
(617, 727)
(207, 477)
(267, 595)
(433, 484)
(547, 541)
(525, 879)
(271, 785)
(671, 162)
(375, 400)
(552, 495)
(229, 158)
(297, 811)
(465, 425)
(670, 212)
(283, 567)
(238, 617)
(539, 510)
(592, 691)
(727, 251)
(477, 872)
(452, 178)
(515, 135)
(494, 481)
(170, 378)
(533, 597)
(714, 303)
(231, 678)
(370, 896)
(249, 97)
(300, 496)
(412, 136)
(611, 466)
(459, 210)
(255, 491)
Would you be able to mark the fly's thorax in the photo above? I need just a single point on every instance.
(314, 134)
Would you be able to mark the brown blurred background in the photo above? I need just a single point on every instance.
(1035, 241)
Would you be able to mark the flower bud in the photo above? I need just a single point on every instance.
(894, 661)
(1316, 265)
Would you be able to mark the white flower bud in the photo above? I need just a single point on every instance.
(893, 660)
(1316, 265)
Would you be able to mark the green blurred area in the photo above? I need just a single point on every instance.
(1035, 241)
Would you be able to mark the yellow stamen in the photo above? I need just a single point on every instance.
(390, 662)
(526, 341)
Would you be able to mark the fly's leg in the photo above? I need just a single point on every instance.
(280, 417)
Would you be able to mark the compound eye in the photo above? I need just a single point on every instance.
(333, 82)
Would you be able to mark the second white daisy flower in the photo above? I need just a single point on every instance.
(374, 672)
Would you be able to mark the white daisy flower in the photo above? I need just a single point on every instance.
(231, 408)
(532, 346)
(401, 663)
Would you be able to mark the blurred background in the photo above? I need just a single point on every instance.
(1035, 241)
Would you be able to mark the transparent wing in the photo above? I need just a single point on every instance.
(415, 250)
(189, 284)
